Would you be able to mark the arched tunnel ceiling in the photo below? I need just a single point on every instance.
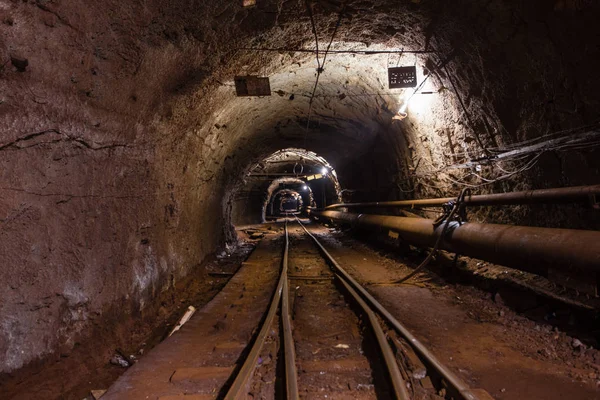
(294, 157)
(124, 142)
(351, 106)
(296, 165)
(349, 121)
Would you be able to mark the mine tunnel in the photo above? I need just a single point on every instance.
(313, 199)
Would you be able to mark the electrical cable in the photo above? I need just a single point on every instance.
(319, 69)
(456, 208)
(337, 26)
(576, 144)
(320, 66)
(314, 30)
(353, 52)
(467, 115)
(595, 125)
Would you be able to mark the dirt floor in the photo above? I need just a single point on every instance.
(487, 343)
(94, 362)
(484, 341)
(335, 352)
(200, 359)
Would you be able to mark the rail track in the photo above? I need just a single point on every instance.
(383, 359)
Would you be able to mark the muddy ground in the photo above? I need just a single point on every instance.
(88, 367)
(488, 343)
(473, 331)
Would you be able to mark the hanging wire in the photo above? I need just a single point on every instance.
(400, 57)
(353, 52)
(444, 220)
(527, 162)
(319, 69)
(461, 182)
(467, 115)
(533, 141)
(337, 26)
(314, 30)
(320, 66)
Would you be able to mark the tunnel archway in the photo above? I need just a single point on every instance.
(292, 168)
(285, 202)
(122, 176)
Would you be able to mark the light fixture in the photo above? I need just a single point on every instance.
(408, 94)
(324, 171)
(416, 104)
(304, 187)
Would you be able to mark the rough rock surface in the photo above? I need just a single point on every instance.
(123, 142)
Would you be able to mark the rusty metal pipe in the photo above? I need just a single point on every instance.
(556, 195)
(521, 247)
(456, 383)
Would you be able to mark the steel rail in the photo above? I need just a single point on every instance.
(291, 373)
(456, 385)
(558, 195)
(398, 383)
(238, 389)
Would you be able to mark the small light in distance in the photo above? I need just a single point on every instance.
(324, 171)
(304, 187)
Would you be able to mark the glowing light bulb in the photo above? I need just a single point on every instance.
(415, 104)
(405, 100)
(304, 187)
(324, 171)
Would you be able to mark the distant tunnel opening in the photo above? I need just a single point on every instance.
(294, 172)
(127, 156)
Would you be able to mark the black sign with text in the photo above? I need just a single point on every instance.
(402, 77)
(252, 86)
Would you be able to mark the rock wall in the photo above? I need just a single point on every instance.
(103, 200)
(122, 139)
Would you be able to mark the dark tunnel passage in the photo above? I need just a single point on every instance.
(128, 159)
(287, 201)
(299, 170)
